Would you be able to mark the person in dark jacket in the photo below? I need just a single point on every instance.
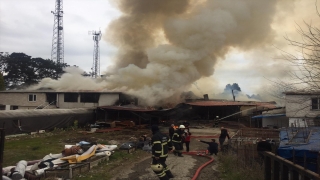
(223, 135)
(161, 145)
(171, 131)
(177, 140)
(262, 146)
(213, 146)
(186, 125)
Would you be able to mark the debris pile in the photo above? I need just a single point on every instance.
(82, 152)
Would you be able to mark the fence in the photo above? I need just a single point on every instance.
(244, 145)
(277, 167)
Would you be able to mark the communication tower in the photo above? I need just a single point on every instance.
(96, 53)
(57, 50)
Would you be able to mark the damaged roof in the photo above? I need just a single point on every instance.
(59, 91)
(131, 108)
(233, 103)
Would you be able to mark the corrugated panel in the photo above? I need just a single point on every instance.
(41, 112)
(231, 103)
(123, 108)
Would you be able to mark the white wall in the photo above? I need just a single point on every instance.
(104, 100)
(108, 99)
(299, 122)
(299, 106)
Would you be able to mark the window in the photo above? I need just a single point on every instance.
(315, 103)
(32, 97)
(89, 97)
(70, 97)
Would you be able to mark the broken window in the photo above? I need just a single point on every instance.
(89, 97)
(315, 103)
(51, 98)
(70, 97)
(32, 97)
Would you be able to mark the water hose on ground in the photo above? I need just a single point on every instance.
(195, 153)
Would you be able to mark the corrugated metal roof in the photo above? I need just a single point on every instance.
(41, 112)
(302, 93)
(59, 91)
(128, 108)
(231, 103)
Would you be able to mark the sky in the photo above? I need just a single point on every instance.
(234, 42)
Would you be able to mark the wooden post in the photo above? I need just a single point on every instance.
(284, 172)
(295, 175)
(276, 170)
(267, 167)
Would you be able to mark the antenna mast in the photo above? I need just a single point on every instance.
(96, 53)
(57, 50)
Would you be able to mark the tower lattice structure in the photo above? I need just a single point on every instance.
(57, 51)
(96, 54)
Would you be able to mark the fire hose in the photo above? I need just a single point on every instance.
(195, 153)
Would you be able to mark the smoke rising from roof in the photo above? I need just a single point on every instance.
(165, 46)
(194, 36)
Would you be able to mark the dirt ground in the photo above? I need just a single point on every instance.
(138, 168)
(183, 168)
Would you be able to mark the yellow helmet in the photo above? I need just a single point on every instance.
(157, 167)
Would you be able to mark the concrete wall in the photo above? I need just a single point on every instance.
(108, 99)
(299, 106)
(22, 100)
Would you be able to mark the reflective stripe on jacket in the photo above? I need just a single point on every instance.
(161, 144)
(177, 136)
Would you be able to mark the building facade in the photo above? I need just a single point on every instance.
(303, 109)
(11, 100)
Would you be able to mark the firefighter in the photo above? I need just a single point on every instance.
(161, 145)
(216, 122)
(171, 131)
(177, 140)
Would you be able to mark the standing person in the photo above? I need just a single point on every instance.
(186, 124)
(187, 140)
(213, 146)
(224, 133)
(171, 131)
(262, 146)
(216, 121)
(177, 139)
(161, 145)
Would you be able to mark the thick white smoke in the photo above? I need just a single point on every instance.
(166, 46)
(196, 38)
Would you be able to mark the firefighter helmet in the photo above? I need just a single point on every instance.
(181, 127)
(157, 167)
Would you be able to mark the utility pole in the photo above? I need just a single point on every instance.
(57, 51)
(96, 53)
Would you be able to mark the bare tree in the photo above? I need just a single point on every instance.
(306, 73)
(303, 89)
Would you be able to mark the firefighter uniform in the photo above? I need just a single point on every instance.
(177, 140)
(161, 145)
